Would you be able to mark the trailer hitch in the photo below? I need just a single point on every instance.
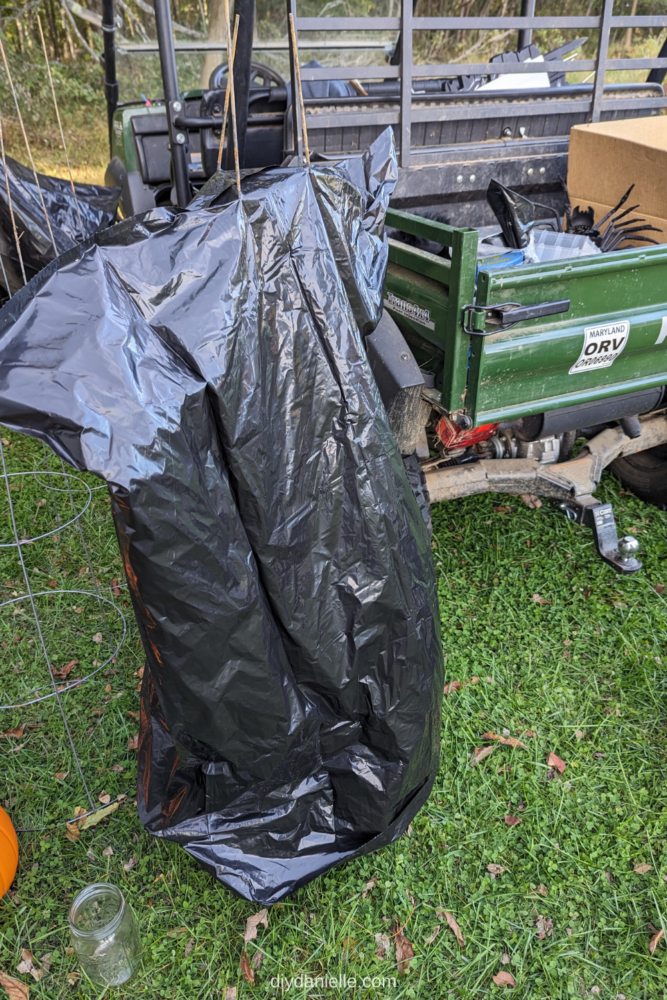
(621, 553)
(506, 315)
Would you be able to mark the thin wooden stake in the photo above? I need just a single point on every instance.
(297, 71)
(10, 206)
(27, 146)
(232, 98)
(227, 93)
(60, 126)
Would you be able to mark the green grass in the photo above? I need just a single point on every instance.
(589, 662)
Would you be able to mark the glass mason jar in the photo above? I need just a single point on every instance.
(105, 934)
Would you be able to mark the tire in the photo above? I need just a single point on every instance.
(645, 474)
(417, 480)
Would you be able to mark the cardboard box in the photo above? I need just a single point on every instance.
(606, 158)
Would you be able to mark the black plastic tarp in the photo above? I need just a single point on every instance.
(209, 365)
(73, 219)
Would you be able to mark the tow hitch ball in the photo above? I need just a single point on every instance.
(621, 553)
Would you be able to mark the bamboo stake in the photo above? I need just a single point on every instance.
(232, 98)
(10, 206)
(27, 146)
(227, 92)
(60, 125)
(297, 71)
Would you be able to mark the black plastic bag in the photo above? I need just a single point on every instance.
(279, 567)
(73, 220)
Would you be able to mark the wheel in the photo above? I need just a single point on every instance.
(260, 76)
(645, 474)
(417, 481)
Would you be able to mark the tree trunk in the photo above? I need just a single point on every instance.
(216, 33)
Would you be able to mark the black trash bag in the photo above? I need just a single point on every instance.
(279, 568)
(73, 220)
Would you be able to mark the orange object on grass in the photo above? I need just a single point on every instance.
(9, 852)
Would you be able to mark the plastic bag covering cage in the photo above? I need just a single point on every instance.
(209, 365)
(71, 223)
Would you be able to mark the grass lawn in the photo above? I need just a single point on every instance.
(569, 915)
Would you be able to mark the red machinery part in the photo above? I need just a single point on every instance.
(453, 436)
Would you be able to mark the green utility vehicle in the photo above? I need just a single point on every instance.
(490, 375)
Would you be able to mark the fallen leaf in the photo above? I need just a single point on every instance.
(502, 510)
(66, 670)
(503, 978)
(14, 988)
(72, 978)
(132, 863)
(655, 940)
(246, 968)
(529, 733)
(45, 961)
(15, 734)
(609, 877)
(135, 715)
(257, 959)
(140, 671)
(454, 927)
(495, 870)
(98, 816)
(177, 932)
(98, 637)
(642, 868)
(61, 775)
(133, 742)
(104, 798)
(230, 993)
(452, 686)
(188, 948)
(369, 888)
(115, 589)
(579, 735)
(253, 922)
(531, 500)
(596, 990)
(542, 889)
(383, 946)
(510, 741)
(118, 768)
(431, 938)
(404, 951)
(554, 761)
(16, 749)
(107, 688)
(505, 959)
(512, 820)
(540, 600)
(107, 852)
(659, 589)
(480, 753)
(599, 755)
(29, 964)
(544, 927)
(90, 855)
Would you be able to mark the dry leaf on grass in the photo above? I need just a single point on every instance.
(107, 852)
(512, 820)
(531, 500)
(655, 940)
(505, 959)
(61, 775)
(554, 761)
(544, 927)
(502, 510)
(542, 889)
(540, 600)
(29, 964)
(383, 946)
(480, 753)
(253, 922)
(66, 670)
(431, 938)
(177, 932)
(15, 734)
(579, 735)
(257, 959)
(98, 637)
(246, 968)
(510, 741)
(14, 989)
(115, 589)
(230, 993)
(642, 868)
(45, 961)
(98, 816)
(404, 951)
(452, 686)
(90, 854)
(132, 863)
(133, 742)
(453, 926)
(369, 888)
(104, 798)
(188, 948)
(118, 768)
(503, 978)
(529, 733)
(495, 870)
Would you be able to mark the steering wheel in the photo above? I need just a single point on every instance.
(260, 76)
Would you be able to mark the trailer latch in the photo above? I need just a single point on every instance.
(506, 315)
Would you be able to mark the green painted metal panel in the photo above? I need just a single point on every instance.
(541, 365)
(122, 141)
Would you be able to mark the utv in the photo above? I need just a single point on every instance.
(476, 361)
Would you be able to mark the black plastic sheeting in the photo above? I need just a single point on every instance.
(70, 225)
(209, 365)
